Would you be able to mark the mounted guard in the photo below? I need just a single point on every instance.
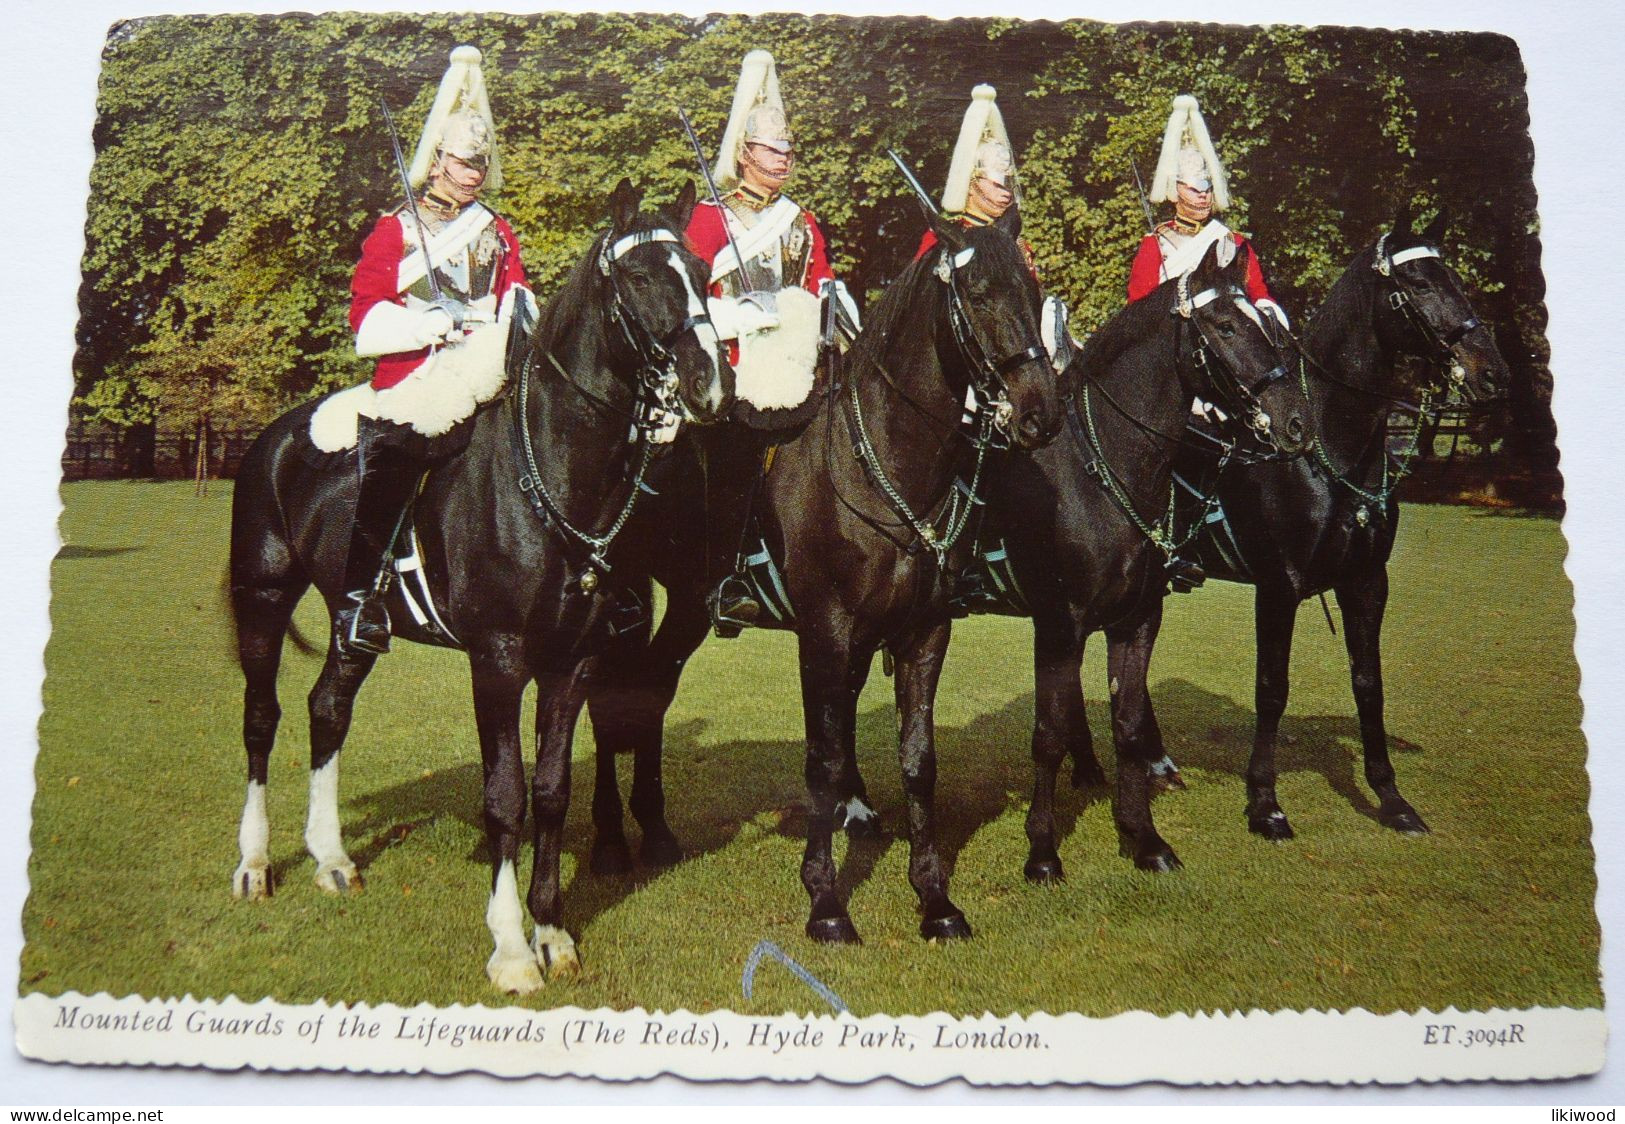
(773, 297)
(982, 187)
(1190, 176)
(438, 288)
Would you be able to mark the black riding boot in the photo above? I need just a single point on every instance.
(731, 487)
(387, 479)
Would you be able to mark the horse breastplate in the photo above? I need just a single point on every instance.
(781, 265)
(467, 274)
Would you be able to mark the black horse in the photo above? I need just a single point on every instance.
(515, 536)
(1396, 331)
(870, 511)
(1088, 522)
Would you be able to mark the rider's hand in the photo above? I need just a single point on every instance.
(434, 325)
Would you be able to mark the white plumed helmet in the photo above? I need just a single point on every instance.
(757, 117)
(983, 149)
(1188, 157)
(459, 121)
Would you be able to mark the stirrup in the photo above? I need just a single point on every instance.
(1184, 576)
(733, 607)
(362, 628)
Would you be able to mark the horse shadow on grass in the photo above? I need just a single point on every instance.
(717, 791)
(1210, 732)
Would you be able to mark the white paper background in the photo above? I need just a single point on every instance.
(1572, 51)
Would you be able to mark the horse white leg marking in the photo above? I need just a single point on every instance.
(252, 880)
(512, 966)
(555, 951)
(335, 873)
(706, 333)
(858, 812)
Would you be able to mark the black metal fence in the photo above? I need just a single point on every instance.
(97, 452)
(1449, 466)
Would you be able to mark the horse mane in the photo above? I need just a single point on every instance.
(897, 302)
(1343, 307)
(1128, 326)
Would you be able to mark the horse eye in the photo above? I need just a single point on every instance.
(1226, 329)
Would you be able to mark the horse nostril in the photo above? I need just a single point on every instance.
(1031, 428)
(1294, 429)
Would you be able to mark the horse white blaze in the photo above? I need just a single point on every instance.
(254, 839)
(512, 966)
(334, 870)
(705, 333)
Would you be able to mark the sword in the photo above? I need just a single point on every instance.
(716, 196)
(919, 192)
(1145, 203)
(412, 205)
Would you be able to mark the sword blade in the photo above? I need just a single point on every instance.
(411, 201)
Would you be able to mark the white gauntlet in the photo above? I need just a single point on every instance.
(734, 318)
(390, 328)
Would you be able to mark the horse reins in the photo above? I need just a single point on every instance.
(989, 390)
(656, 406)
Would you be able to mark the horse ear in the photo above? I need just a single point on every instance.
(1402, 220)
(683, 208)
(623, 205)
(1434, 234)
(948, 232)
(1208, 269)
(1010, 221)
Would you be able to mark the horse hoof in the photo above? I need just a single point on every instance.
(661, 851)
(1273, 827)
(251, 883)
(833, 930)
(1169, 782)
(1044, 870)
(517, 975)
(1158, 858)
(1165, 774)
(865, 827)
(1405, 821)
(953, 927)
(611, 858)
(340, 880)
(556, 952)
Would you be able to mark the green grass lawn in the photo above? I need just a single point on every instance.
(141, 774)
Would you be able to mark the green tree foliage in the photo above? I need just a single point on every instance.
(241, 160)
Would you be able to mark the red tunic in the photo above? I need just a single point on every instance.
(1146, 273)
(375, 280)
(707, 236)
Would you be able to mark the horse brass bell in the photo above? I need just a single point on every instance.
(1362, 515)
(589, 582)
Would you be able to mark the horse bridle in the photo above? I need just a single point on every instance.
(1441, 346)
(1247, 397)
(989, 382)
(658, 406)
(657, 371)
(992, 414)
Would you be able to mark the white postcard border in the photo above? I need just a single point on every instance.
(1333, 1047)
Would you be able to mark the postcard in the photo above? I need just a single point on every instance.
(1018, 551)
